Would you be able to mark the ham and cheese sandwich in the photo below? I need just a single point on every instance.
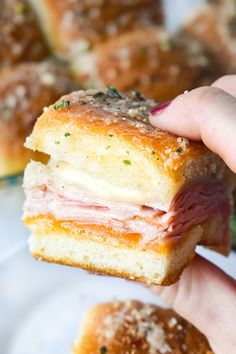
(133, 327)
(118, 196)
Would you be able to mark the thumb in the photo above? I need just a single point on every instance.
(206, 297)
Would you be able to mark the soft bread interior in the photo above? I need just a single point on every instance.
(149, 267)
(115, 169)
(109, 167)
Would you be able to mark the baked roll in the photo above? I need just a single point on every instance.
(24, 91)
(118, 196)
(133, 327)
(149, 60)
(214, 24)
(20, 37)
(73, 26)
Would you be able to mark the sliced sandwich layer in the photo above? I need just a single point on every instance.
(118, 196)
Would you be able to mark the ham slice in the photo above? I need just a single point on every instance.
(193, 205)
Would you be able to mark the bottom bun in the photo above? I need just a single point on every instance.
(157, 268)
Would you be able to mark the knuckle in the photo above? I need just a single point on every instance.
(208, 95)
(222, 81)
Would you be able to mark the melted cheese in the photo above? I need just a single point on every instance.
(65, 175)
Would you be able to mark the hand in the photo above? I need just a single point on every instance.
(205, 295)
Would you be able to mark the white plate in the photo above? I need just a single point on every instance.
(42, 304)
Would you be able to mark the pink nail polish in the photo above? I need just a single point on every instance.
(160, 107)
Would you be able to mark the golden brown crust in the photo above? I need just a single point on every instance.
(73, 26)
(20, 37)
(138, 328)
(166, 281)
(85, 115)
(149, 60)
(24, 91)
(215, 26)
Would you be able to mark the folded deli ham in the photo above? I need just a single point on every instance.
(118, 196)
(194, 204)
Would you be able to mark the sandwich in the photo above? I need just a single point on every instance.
(118, 196)
(20, 37)
(24, 91)
(150, 59)
(75, 26)
(134, 327)
(213, 24)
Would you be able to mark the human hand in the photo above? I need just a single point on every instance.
(205, 295)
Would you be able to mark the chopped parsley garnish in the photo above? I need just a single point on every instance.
(113, 92)
(98, 94)
(138, 95)
(154, 154)
(110, 135)
(127, 162)
(143, 49)
(67, 134)
(179, 150)
(103, 350)
(63, 103)
(108, 147)
(57, 142)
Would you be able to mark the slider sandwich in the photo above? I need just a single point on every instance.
(133, 327)
(118, 196)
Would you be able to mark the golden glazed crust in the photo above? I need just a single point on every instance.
(24, 91)
(101, 119)
(73, 26)
(149, 60)
(20, 37)
(214, 24)
(137, 328)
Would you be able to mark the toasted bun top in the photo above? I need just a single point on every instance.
(20, 37)
(24, 91)
(149, 59)
(138, 328)
(74, 26)
(213, 23)
(108, 136)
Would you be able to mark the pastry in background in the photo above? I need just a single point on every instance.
(214, 24)
(24, 91)
(73, 26)
(20, 36)
(118, 196)
(149, 60)
(133, 327)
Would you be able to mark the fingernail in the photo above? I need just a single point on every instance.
(160, 107)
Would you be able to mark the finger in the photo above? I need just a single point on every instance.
(206, 297)
(226, 83)
(207, 114)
